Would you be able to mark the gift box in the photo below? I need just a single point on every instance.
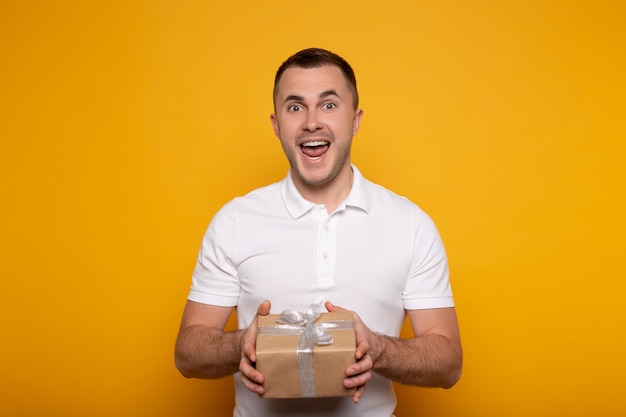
(305, 360)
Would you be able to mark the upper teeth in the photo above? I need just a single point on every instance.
(314, 143)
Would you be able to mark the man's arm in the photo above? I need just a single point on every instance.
(205, 350)
(432, 358)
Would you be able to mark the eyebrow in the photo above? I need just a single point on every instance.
(327, 93)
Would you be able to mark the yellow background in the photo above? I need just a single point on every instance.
(126, 124)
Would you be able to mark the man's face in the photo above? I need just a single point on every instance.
(315, 121)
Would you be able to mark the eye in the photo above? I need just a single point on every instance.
(294, 108)
(329, 106)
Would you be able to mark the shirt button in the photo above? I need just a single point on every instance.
(325, 255)
(326, 228)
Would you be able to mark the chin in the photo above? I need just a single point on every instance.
(313, 179)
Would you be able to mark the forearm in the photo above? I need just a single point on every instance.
(203, 352)
(427, 361)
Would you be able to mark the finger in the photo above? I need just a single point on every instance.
(264, 308)
(249, 351)
(358, 394)
(333, 308)
(361, 351)
(251, 385)
(249, 341)
(360, 372)
(251, 378)
(363, 343)
(360, 367)
(357, 380)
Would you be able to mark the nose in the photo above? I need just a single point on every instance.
(311, 121)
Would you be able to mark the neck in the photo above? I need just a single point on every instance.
(330, 194)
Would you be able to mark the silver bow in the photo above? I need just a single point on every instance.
(312, 334)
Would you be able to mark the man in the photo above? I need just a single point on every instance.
(324, 230)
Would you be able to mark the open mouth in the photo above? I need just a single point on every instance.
(315, 148)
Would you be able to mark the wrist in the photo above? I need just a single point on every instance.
(377, 349)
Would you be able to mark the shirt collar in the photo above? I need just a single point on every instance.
(360, 196)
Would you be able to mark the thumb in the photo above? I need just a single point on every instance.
(264, 308)
(333, 308)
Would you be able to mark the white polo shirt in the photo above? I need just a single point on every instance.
(377, 254)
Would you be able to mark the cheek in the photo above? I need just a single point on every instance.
(344, 127)
(289, 127)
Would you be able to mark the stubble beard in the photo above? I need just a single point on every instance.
(343, 156)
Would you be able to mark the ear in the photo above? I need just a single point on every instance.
(275, 126)
(356, 124)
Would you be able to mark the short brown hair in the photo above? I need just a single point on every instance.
(314, 58)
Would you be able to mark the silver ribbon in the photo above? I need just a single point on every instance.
(293, 322)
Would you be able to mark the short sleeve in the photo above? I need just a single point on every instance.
(428, 284)
(214, 279)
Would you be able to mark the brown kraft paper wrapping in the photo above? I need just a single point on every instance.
(277, 359)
